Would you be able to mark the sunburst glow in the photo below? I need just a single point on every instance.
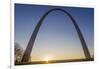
(47, 59)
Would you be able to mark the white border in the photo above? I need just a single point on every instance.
(12, 36)
(76, 3)
(85, 3)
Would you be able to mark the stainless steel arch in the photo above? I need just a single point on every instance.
(28, 50)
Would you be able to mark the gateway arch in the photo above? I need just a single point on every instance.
(26, 55)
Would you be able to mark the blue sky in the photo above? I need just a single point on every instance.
(57, 37)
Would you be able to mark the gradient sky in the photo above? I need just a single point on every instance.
(57, 37)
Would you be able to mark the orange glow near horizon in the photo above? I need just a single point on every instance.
(47, 58)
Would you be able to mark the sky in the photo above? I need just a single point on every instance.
(57, 38)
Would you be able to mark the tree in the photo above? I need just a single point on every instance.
(18, 53)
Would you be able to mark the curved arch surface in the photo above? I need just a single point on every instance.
(28, 50)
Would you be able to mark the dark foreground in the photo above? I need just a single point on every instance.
(54, 61)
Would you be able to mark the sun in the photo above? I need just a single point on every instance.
(47, 59)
